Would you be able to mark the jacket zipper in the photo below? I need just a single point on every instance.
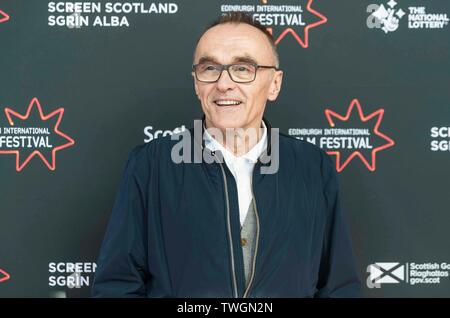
(231, 239)
(256, 246)
(233, 269)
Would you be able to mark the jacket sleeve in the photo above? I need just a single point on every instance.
(337, 274)
(121, 266)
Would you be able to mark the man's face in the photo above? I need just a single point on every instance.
(232, 43)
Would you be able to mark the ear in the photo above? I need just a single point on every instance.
(275, 86)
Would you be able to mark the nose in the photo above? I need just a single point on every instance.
(225, 83)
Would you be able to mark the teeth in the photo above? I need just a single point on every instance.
(227, 102)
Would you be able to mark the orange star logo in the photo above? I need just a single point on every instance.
(356, 107)
(303, 41)
(34, 107)
(4, 276)
(3, 16)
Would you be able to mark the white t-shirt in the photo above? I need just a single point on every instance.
(241, 167)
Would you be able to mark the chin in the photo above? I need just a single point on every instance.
(228, 122)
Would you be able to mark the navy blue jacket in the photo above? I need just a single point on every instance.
(175, 230)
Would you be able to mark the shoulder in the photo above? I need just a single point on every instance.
(156, 148)
(152, 154)
(302, 149)
(313, 160)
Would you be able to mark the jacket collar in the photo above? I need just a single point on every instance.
(264, 158)
(251, 156)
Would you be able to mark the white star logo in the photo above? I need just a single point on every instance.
(400, 13)
(392, 3)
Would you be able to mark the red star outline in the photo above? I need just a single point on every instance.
(305, 43)
(5, 277)
(379, 113)
(3, 16)
(59, 112)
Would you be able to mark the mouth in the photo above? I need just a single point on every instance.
(227, 102)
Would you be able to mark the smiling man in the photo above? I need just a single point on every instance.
(236, 98)
(261, 217)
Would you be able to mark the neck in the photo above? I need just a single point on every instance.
(239, 141)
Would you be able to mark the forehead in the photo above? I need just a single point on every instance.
(227, 41)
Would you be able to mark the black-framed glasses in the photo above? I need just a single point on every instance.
(239, 72)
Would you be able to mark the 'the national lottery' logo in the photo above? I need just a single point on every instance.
(350, 136)
(33, 134)
(406, 273)
(283, 19)
(389, 16)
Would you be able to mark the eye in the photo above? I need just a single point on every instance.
(242, 68)
(207, 67)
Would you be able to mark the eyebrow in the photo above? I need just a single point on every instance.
(246, 58)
